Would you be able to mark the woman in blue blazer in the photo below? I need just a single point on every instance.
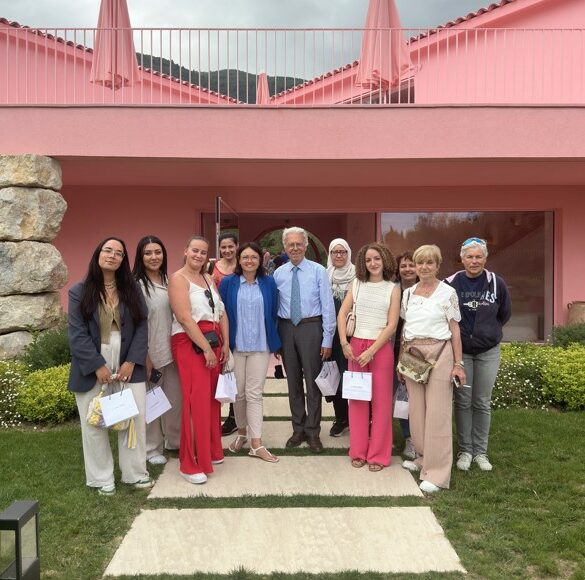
(251, 302)
(108, 338)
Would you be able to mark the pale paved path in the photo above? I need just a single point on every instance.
(278, 407)
(286, 540)
(305, 475)
(276, 433)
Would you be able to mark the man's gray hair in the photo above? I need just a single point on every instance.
(294, 230)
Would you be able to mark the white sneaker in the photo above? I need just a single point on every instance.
(409, 451)
(410, 465)
(107, 489)
(483, 462)
(196, 478)
(157, 460)
(428, 487)
(216, 461)
(464, 461)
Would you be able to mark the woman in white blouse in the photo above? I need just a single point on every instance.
(431, 315)
(377, 309)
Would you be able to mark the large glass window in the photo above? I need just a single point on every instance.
(520, 246)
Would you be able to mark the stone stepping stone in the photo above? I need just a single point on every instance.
(285, 540)
(292, 475)
(279, 407)
(276, 433)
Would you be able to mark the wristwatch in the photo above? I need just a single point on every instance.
(460, 363)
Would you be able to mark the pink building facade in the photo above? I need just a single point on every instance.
(449, 154)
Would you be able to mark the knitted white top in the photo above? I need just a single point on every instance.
(372, 305)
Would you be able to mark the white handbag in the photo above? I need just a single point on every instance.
(157, 404)
(328, 379)
(357, 386)
(226, 389)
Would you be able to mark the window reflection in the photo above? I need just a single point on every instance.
(520, 248)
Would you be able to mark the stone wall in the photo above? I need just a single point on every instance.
(31, 268)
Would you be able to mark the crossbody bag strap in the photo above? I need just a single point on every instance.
(210, 296)
(355, 293)
(434, 361)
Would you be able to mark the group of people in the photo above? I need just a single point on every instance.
(128, 326)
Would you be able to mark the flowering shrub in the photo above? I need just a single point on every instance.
(520, 378)
(564, 376)
(12, 379)
(45, 397)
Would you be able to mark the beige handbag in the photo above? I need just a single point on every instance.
(350, 320)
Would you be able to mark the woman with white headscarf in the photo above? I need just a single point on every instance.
(341, 273)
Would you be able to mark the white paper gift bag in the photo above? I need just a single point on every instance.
(357, 386)
(118, 407)
(226, 389)
(401, 402)
(328, 379)
(157, 404)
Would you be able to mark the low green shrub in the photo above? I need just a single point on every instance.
(563, 336)
(44, 397)
(48, 349)
(520, 378)
(564, 376)
(12, 379)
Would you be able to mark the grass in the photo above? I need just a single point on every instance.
(523, 520)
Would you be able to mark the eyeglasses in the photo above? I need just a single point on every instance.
(249, 258)
(470, 241)
(338, 252)
(111, 252)
(295, 245)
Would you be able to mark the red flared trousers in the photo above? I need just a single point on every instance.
(201, 416)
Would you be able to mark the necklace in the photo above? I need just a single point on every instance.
(426, 292)
(110, 285)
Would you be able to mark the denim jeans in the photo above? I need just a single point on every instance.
(473, 406)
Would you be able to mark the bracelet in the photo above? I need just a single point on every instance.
(459, 363)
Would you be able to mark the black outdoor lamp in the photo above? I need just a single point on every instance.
(19, 541)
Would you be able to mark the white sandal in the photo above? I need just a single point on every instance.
(237, 443)
(254, 453)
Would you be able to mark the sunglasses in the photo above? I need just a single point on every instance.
(470, 241)
(210, 300)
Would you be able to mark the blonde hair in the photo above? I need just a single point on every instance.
(426, 252)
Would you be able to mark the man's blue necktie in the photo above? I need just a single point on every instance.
(295, 298)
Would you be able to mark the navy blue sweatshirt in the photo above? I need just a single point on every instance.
(484, 310)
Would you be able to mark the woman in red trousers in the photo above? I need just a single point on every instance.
(200, 344)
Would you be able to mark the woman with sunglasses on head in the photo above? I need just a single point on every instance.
(200, 345)
(485, 306)
(430, 310)
(341, 273)
(108, 338)
(251, 302)
(150, 270)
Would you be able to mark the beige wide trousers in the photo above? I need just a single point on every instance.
(97, 453)
(430, 415)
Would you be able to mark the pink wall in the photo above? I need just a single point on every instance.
(36, 69)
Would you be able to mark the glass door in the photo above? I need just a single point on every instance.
(226, 220)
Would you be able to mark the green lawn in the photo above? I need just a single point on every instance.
(525, 519)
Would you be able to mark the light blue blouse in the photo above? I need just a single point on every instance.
(251, 331)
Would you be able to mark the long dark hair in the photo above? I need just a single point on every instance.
(94, 290)
(256, 248)
(139, 270)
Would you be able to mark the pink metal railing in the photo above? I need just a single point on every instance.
(308, 68)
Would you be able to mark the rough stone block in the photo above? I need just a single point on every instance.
(30, 171)
(30, 213)
(29, 311)
(13, 344)
(30, 268)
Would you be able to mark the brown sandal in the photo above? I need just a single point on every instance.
(358, 463)
(375, 467)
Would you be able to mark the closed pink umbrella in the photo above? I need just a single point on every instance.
(384, 55)
(262, 92)
(114, 58)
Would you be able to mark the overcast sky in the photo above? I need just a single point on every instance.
(234, 13)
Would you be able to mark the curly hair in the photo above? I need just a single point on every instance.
(388, 262)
